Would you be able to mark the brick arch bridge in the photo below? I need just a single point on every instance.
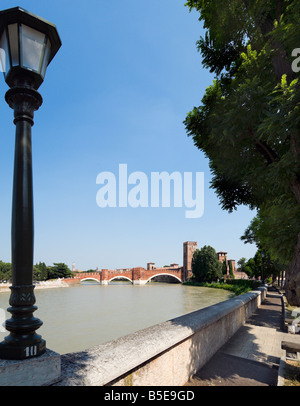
(137, 276)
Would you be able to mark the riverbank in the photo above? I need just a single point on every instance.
(236, 286)
(57, 283)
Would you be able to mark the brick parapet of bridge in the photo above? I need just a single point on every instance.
(134, 274)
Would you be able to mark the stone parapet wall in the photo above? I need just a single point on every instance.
(167, 354)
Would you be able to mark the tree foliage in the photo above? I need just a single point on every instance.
(248, 124)
(263, 266)
(277, 245)
(224, 268)
(41, 272)
(59, 270)
(5, 271)
(241, 264)
(205, 265)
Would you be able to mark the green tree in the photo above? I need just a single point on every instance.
(59, 270)
(40, 272)
(241, 264)
(224, 268)
(275, 260)
(5, 271)
(205, 265)
(251, 269)
(277, 245)
(263, 266)
(248, 125)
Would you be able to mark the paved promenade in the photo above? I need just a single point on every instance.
(252, 355)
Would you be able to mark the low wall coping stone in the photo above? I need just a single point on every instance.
(39, 371)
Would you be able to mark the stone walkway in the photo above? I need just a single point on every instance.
(252, 356)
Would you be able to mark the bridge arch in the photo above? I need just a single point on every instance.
(120, 277)
(90, 279)
(165, 274)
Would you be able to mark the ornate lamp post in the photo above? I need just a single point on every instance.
(28, 45)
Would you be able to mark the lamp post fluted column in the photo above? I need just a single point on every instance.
(29, 43)
(23, 341)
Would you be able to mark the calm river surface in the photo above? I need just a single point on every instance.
(80, 317)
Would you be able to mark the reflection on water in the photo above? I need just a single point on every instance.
(83, 316)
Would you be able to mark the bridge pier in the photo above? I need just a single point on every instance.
(104, 282)
(139, 282)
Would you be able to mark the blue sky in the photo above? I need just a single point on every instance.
(117, 92)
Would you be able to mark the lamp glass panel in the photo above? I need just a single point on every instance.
(13, 34)
(4, 55)
(32, 48)
(46, 58)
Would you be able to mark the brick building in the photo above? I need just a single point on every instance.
(222, 256)
(189, 247)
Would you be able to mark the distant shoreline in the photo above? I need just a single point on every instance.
(58, 283)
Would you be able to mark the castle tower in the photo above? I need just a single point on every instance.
(189, 248)
(222, 256)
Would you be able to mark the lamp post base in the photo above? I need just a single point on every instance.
(23, 342)
(12, 352)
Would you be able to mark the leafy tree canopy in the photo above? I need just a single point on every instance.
(40, 271)
(205, 265)
(59, 270)
(5, 271)
(248, 124)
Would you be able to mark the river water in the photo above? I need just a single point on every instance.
(80, 317)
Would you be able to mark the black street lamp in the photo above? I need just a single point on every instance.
(28, 44)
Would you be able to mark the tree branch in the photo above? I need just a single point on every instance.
(264, 149)
(266, 152)
(278, 10)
